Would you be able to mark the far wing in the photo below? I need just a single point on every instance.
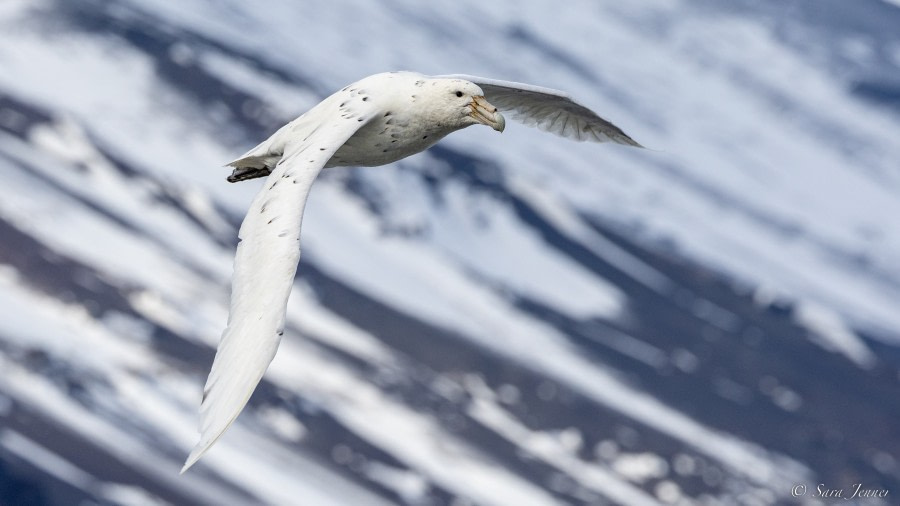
(264, 268)
(548, 109)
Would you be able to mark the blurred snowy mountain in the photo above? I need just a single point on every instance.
(506, 319)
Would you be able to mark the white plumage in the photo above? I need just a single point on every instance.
(375, 121)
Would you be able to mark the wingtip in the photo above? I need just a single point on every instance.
(633, 143)
(195, 455)
(628, 141)
(207, 439)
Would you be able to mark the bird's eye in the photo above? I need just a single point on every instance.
(458, 93)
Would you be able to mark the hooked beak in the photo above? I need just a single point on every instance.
(486, 114)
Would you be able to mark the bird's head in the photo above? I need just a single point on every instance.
(462, 103)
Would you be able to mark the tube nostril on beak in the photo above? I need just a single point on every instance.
(486, 113)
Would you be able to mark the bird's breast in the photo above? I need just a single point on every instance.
(386, 139)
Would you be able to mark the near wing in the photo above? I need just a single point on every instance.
(550, 110)
(264, 268)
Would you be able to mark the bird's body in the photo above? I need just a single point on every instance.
(402, 124)
(375, 121)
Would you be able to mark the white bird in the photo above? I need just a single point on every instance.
(377, 120)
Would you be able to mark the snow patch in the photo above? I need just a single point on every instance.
(832, 333)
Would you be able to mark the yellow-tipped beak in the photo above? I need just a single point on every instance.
(486, 114)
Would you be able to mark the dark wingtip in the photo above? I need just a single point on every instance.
(628, 141)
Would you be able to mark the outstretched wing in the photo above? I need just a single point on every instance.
(264, 268)
(548, 109)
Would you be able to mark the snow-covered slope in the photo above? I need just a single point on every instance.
(504, 319)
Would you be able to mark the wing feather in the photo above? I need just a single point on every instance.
(548, 109)
(264, 269)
